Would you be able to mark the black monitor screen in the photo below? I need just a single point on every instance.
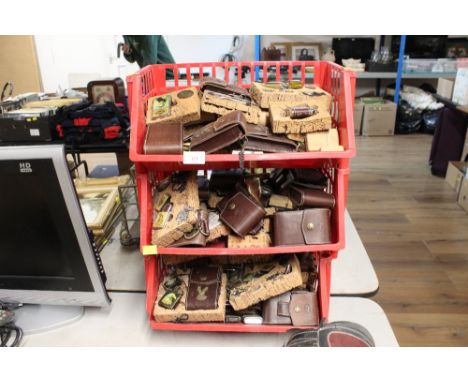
(38, 245)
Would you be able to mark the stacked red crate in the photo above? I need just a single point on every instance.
(151, 81)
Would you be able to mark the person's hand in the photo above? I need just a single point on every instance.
(126, 49)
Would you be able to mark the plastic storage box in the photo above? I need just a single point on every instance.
(152, 80)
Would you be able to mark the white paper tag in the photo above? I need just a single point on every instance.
(34, 132)
(194, 157)
(213, 220)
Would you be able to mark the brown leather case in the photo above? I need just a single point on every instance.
(219, 134)
(219, 86)
(310, 226)
(309, 198)
(259, 138)
(203, 288)
(241, 213)
(303, 308)
(275, 311)
(164, 138)
(197, 237)
(299, 308)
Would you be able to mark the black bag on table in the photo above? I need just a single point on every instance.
(87, 123)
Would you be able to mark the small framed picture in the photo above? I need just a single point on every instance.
(96, 204)
(305, 52)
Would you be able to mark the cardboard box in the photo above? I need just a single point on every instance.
(379, 118)
(455, 174)
(445, 87)
(463, 195)
(358, 111)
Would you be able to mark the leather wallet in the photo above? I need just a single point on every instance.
(299, 308)
(219, 86)
(303, 227)
(199, 234)
(164, 138)
(217, 135)
(203, 288)
(309, 198)
(259, 138)
(241, 213)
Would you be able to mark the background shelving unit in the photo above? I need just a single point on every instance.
(399, 75)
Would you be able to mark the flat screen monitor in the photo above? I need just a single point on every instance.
(46, 254)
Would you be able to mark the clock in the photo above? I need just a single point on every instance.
(107, 90)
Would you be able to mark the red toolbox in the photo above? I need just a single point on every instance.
(151, 81)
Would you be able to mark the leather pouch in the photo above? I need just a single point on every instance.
(203, 288)
(259, 138)
(219, 86)
(308, 198)
(199, 234)
(299, 308)
(275, 311)
(241, 213)
(164, 138)
(303, 227)
(217, 135)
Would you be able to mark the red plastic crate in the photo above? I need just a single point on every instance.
(153, 269)
(151, 81)
(339, 185)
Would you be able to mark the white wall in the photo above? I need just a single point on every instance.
(198, 48)
(63, 60)
(72, 61)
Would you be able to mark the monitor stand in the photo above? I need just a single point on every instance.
(39, 318)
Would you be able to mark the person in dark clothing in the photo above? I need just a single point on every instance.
(147, 50)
